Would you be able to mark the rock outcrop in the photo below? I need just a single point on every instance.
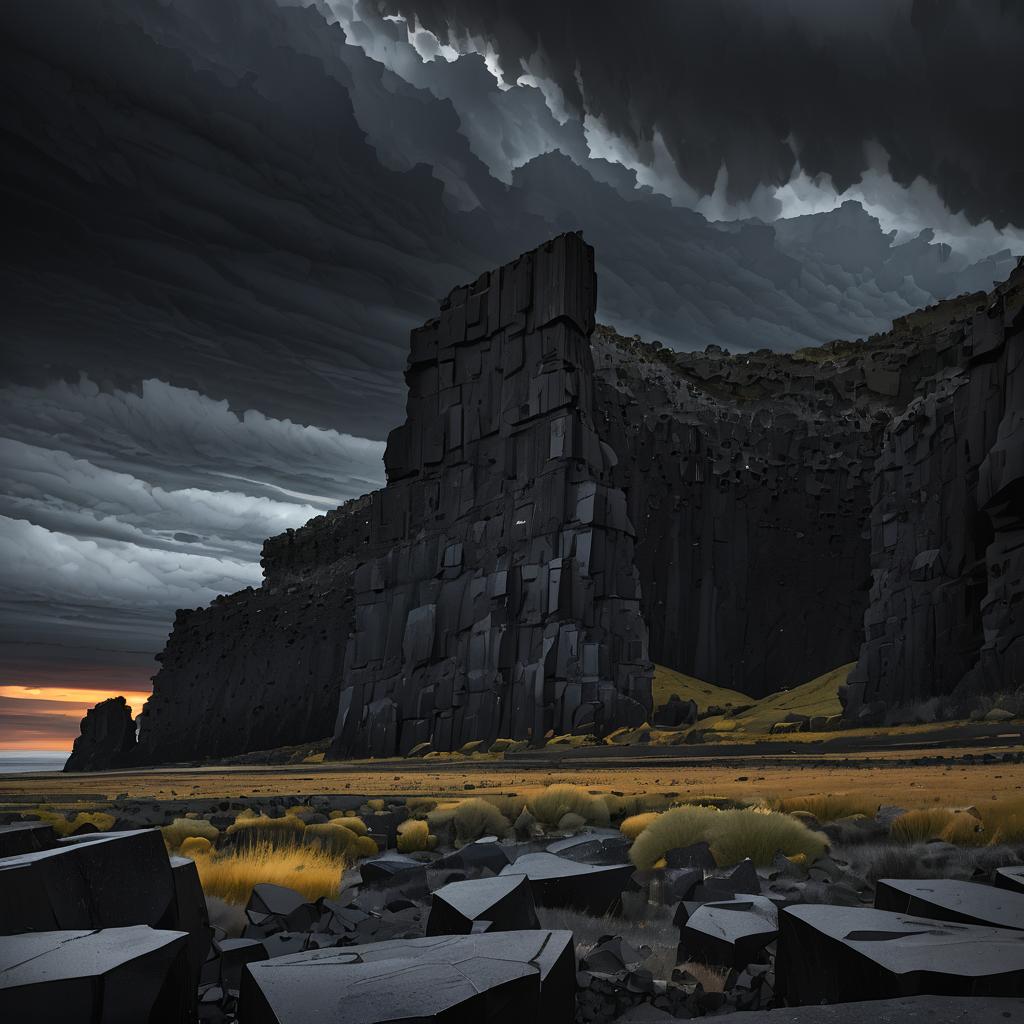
(507, 600)
(107, 737)
(565, 504)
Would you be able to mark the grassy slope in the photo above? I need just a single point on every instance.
(667, 682)
(818, 697)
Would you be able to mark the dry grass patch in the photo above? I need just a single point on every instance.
(414, 835)
(1004, 820)
(552, 804)
(636, 823)
(475, 818)
(921, 825)
(310, 870)
(733, 835)
(828, 806)
(100, 820)
(187, 828)
(257, 829)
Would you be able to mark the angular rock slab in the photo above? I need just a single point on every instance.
(909, 1010)
(595, 846)
(502, 977)
(503, 904)
(115, 976)
(26, 837)
(841, 954)
(731, 933)
(947, 899)
(484, 854)
(104, 880)
(558, 882)
(1010, 878)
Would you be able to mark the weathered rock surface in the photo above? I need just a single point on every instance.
(107, 738)
(559, 882)
(483, 904)
(948, 899)
(133, 974)
(564, 503)
(26, 837)
(842, 954)
(909, 1010)
(506, 977)
(731, 933)
(507, 602)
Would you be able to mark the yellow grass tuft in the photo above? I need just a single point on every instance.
(965, 830)
(828, 806)
(553, 803)
(1004, 820)
(921, 825)
(420, 804)
(349, 821)
(283, 831)
(476, 817)
(230, 875)
(186, 828)
(414, 835)
(376, 804)
(100, 819)
(733, 835)
(633, 826)
(195, 846)
(366, 847)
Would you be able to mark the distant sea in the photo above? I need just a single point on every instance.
(32, 760)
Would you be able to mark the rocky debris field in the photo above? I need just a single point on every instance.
(430, 917)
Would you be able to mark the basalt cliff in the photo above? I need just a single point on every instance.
(566, 506)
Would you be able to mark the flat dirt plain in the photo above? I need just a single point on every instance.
(972, 769)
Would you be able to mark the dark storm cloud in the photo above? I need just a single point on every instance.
(755, 86)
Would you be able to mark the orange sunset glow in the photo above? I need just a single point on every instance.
(48, 717)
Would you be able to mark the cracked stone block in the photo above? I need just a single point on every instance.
(948, 899)
(841, 954)
(558, 882)
(26, 837)
(505, 977)
(501, 904)
(109, 976)
(732, 933)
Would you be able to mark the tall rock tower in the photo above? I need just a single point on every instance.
(506, 600)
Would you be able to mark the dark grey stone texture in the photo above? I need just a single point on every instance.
(113, 976)
(107, 737)
(500, 904)
(1011, 878)
(26, 837)
(558, 882)
(104, 880)
(565, 504)
(908, 1010)
(731, 933)
(948, 899)
(842, 954)
(505, 977)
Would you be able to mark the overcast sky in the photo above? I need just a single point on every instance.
(226, 218)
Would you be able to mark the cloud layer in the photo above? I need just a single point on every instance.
(756, 89)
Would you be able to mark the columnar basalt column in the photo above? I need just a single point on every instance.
(507, 601)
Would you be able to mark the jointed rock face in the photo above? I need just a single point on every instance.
(559, 513)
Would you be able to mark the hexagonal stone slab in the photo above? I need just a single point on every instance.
(948, 899)
(134, 974)
(841, 954)
(501, 977)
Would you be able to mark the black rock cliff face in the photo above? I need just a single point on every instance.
(559, 512)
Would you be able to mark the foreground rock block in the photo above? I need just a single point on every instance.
(731, 934)
(948, 899)
(104, 880)
(1010, 878)
(841, 954)
(502, 977)
(910, 1010)
(558, 882)
(483, 904)
(26, 837)
(114, 976)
